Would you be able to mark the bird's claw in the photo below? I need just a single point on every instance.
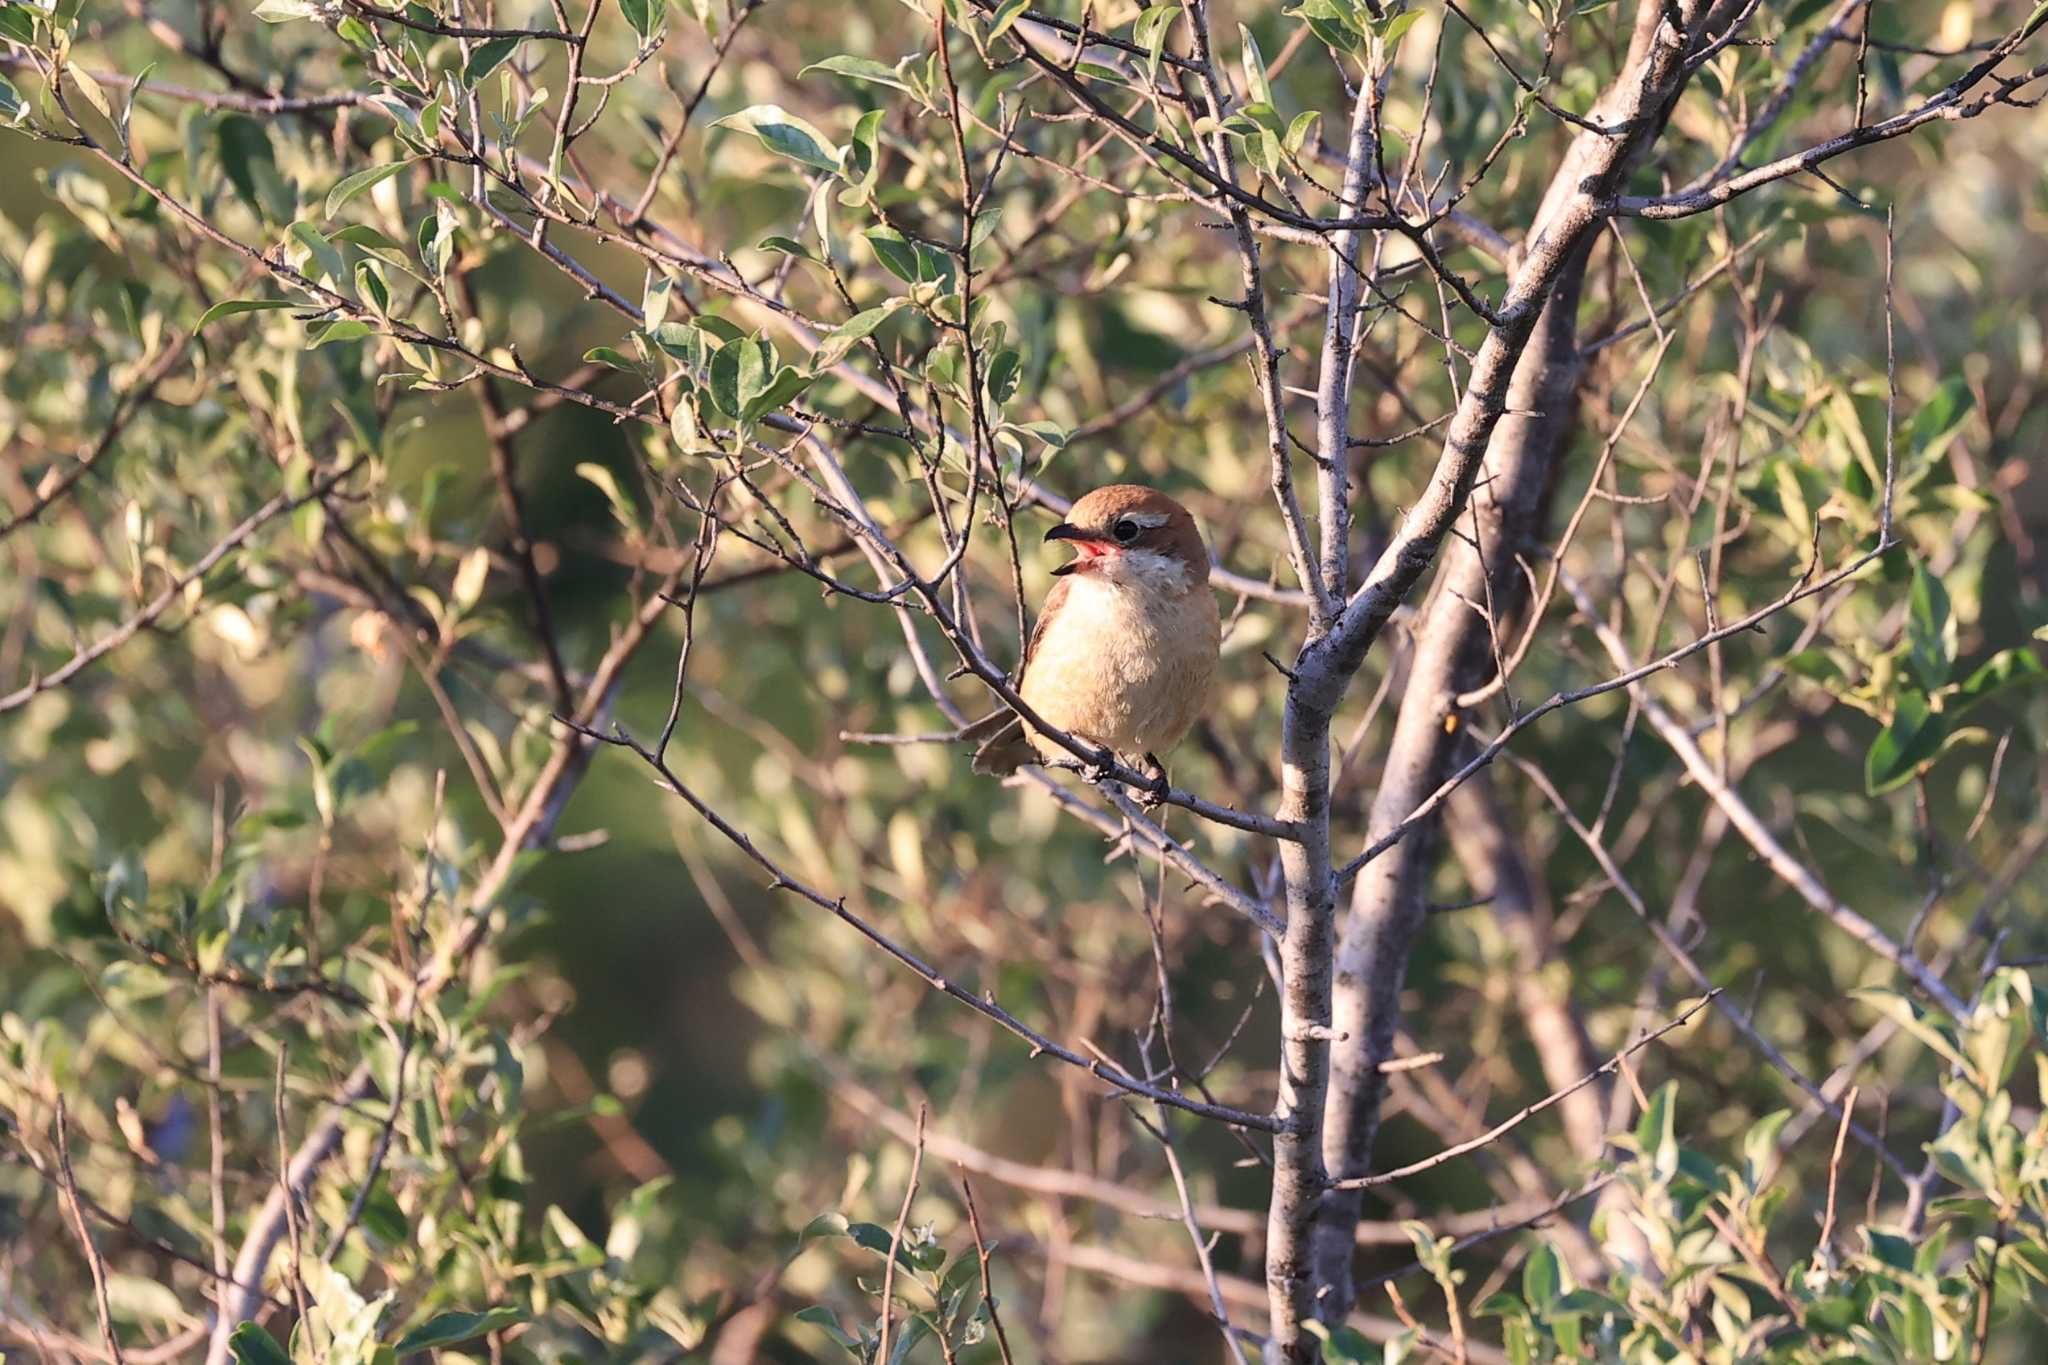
(1157, 789)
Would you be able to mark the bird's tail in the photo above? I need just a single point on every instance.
(1000, 743)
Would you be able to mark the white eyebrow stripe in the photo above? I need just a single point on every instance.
(1147, 518)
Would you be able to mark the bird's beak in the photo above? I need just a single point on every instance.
(1089, 543)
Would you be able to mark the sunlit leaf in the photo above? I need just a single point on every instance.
(452, 1329)
(359, 183)
(783, 132)
(859, 69)
(835, 344)
(1930, 629)
(1913, 738)
(228, 308)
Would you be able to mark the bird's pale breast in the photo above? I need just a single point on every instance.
(1124, 667)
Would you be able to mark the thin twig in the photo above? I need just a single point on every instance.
(988, 1289)
(1528, 1112)
(896, 1238)
(68, 1186)
(1827, 1222)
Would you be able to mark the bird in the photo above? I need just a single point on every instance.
(1124, 651)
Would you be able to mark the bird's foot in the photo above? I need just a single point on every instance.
(1156, 790)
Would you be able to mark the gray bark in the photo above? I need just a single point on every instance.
(1453, 654)
(1453, 648)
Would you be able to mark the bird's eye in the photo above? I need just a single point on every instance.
(1125, 530)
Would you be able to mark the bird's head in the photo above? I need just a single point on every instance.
(1134, 536)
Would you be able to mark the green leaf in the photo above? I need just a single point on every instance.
(351, 186)
(832, 1224)
(788, 246)
(895, 251)
(1912, 739)
(1760, 1147)
(945, 365)
(646, 16)
(863, 154)
(252, 1345)
(1390, 30)
(1257, 87)
(683, 427)
(719, 327)
(251, 165)
(622, 508)
(1930, 630)
(17, 23)
(783, 132)
(691, 345)
(2008, 668)
(1348, 1346)
(1930, 1028)
(740, 374)
(322, 251)
(485, 58)
(347, 329)
(654, 303)
(1006, 14)
(834, 346)
(1001, 379)
(986, 222)
(370, 284)
(471, 576)
(827, 1321)
(876, 1238)
(436, 239)
(1928, 433)
(915, 1329)
(283, 11)
(1584, 1303)
(1150, 33)
(1656, 1132)
(1298, 131)
(934, 267)
(859, 69)
(612, 356)
(366, 237)
(783, 388)
(1796, 497)
(227, 308)
(1052, 433)
(1335, 26)
(1888, 1247)
(127, 114)
(1542, 1279)
(447, 1329)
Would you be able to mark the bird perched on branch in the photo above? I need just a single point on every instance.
(1124, 651)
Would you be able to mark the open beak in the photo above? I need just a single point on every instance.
(1090, 544)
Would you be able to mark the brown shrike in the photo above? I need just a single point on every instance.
(1125, 648)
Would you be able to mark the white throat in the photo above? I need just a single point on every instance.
(1145, 570)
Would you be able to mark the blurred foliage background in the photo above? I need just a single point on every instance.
(227, 846)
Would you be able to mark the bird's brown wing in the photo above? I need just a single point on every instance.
(1003, 746)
